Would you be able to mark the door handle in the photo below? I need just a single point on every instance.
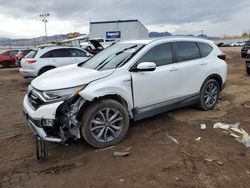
(173, 69)
(203, 63)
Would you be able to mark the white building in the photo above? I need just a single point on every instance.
(118, 30)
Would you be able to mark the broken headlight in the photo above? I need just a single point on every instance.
(62, 94)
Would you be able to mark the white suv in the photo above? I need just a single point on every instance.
(39, 61)
(95, 100)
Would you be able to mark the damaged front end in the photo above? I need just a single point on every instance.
(67, 118)
(65, 125)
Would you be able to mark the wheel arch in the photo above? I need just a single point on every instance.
(216, 77)
(115, 97)
(47, 66)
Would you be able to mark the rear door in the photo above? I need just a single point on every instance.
(193, 68)
(160, 86)
(57, 57)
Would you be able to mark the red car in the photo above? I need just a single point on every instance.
(8, 58)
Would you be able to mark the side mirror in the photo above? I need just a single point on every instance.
(146, 66)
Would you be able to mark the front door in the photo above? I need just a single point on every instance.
(161, 86)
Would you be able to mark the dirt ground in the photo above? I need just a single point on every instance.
(154, 160)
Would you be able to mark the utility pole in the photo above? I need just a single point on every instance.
(45, 20)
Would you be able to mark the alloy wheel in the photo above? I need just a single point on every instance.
(106, 125)
(211, 94)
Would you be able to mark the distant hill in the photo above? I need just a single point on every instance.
(3, 39)
(159, 34)
(31, 42)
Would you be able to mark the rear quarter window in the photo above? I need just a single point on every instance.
(205, 49)
(186, 51)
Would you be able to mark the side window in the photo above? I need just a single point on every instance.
(160, 55)
(57, 53)
(13, 53)
(187, 51)
(77, 53)
(205, 49)
(46, 55)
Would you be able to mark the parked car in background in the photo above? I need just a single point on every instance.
(245, 48)
(220, 44)
(97, 44)
(21, 54)
(237, 44)
(39, 61)
(133, 80)
(8, 58)
(248, 62)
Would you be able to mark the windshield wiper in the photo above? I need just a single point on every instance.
(126, 49)
(103, 63)
(127, 58)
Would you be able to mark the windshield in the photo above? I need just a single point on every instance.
(113, 57)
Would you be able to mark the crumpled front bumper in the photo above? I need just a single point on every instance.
(40, 132)
(35, 117)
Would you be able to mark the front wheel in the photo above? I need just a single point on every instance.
(209, 95)
(104, 123)
(6, 64)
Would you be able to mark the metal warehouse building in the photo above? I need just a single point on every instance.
(119, 30)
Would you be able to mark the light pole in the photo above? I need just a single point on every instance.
(202, 33)
(45, 20)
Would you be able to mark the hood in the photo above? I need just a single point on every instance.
(67, 76)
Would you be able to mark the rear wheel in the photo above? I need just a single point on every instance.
(104, 123)
(45, 69)
(209, 95)
(6, 64)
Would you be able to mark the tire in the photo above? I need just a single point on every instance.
(88, 48)
(95, 118)
(209, 95)
(248, 70)
(6, 64)
(45, 69)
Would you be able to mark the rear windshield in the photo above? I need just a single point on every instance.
(32, 54)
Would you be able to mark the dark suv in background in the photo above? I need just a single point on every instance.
(248, 62)
(245, 48)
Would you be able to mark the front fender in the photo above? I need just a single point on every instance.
(120, 86)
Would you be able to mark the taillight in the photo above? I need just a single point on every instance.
(222, 56)
(30, 61)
